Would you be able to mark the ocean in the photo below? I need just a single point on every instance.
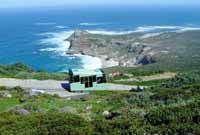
(36, 36)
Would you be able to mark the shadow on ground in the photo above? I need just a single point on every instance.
(66, 86)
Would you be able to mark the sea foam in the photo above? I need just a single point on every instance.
(146, 29)
(90, 62)
(104, 32)
(91, 24)
(61, 27)
(45, 23)
(165, 28)
(56, 44)
(189, 29)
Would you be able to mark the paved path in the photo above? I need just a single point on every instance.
(36, 84)
(52, 86)
(119, 87)
(48, 86)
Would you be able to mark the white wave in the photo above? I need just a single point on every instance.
(150, 35)
(61, 27)
(57, 45)
(90, 62)
(189, 29)
(91, 24)
(102, 32)
(56, 42)
(153, 28)
(165, 28)
(88, 24)
(50, 49)
(146, 29)
(45, 23)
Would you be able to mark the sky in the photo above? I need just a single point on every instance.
(40, 3)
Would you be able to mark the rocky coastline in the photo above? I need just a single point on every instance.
(113, 50)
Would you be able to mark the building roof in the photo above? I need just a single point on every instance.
(85, 72)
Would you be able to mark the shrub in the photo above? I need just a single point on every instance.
(3, 88)
(164, 117)
(23, 75)
(183, 79)
(45, 123)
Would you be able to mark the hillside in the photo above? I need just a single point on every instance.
(169, 105)
(169, 50)
(168, 108)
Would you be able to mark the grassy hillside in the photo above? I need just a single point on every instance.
(171, 107)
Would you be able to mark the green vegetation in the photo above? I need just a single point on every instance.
(135, 71)
(141, 83)
(21, 71)
(186, 78)
(174, 52)
(8, 103)
(190, 77)
(44, 123)
(167, 108)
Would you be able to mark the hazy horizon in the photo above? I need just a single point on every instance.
(79, 3)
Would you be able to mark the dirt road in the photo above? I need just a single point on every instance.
(166, 75)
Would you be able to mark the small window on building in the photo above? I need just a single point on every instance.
(94, 78)
(104, 78)
(91, 81)
(87, 85)
(71, 78)
(82, 80)
(88, 81)
(76, 78)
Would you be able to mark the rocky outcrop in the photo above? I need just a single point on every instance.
(110, 115)
(5, 93)
(22, 111)
(146, 59)
(138, 49)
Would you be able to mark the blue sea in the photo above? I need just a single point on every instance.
(36, 36)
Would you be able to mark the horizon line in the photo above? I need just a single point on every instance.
(101, 5)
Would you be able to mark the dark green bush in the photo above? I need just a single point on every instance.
(185, 115)
(3, 88)
(113, 127)
(183, 79)
(44, 124)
